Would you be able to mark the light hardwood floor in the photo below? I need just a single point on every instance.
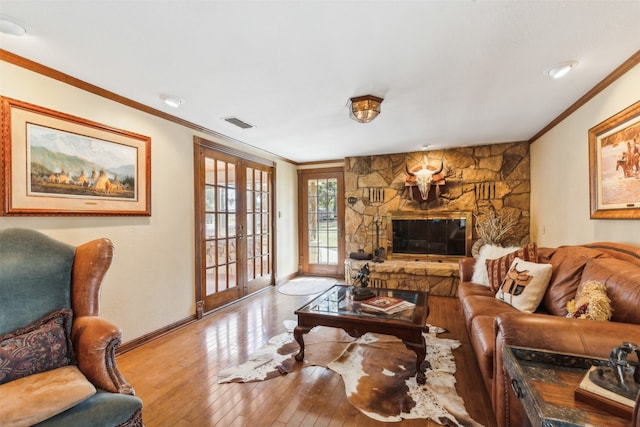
(176, 375)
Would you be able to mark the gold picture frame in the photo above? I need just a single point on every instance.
(614, 166)
(57, 164)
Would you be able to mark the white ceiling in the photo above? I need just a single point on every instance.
(452, 73)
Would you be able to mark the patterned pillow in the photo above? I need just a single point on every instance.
(525, 285)
(488, 251)
(497, 268)
(40, 347)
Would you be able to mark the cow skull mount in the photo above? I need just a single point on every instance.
(423, 177)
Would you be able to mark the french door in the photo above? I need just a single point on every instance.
(321, 195)
(234, 230)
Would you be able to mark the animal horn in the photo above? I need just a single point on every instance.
(406, 168)
(441, 167)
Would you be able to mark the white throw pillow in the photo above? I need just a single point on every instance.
(486, 252)
(525, 285)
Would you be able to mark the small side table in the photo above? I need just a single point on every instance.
(545, 383)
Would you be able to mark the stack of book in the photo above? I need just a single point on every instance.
(388, 305)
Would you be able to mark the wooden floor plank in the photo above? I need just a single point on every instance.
(176, 374)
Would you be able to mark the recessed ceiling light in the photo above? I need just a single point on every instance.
(172, 101)
(9, 26)
(561, 69)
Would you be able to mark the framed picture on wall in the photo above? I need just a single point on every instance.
(614, 166)
(57, 164)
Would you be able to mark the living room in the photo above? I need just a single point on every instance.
(150, 285)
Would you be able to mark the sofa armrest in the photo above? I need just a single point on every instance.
(95, 341)
(551, 333)
(466, 268)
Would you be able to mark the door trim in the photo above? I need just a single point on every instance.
(302, 203)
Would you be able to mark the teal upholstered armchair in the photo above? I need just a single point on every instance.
(57, 356)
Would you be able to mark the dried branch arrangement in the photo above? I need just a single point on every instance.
(492, 227)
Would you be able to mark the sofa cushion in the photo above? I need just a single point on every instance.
(103, 409)
(40, 347)
(525, 285)
(486, 252)
(483, 341)
(497, 268)
(568, 263)
(466, 289)
(622, 280)
(482, 305)
(29, 400)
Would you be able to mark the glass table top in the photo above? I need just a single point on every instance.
(338, 300)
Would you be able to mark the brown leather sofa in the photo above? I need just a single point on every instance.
(491, 323)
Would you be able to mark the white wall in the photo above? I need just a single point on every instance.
(151, 282)
(560, 207)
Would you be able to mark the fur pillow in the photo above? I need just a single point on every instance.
(524, 285)
(591, 302)
(486, 252)
(39, 347)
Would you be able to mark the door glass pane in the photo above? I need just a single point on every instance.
(209, 198)
(222, 251)
(222, 278)
(209, 171)
(233, 277)
(222, 225)
(210, 226)
(233, 254)
(211, 254)
(210, 277)
(322, 228)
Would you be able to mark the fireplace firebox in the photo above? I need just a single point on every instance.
(413, 235)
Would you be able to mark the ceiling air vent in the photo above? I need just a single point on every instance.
(236, 121)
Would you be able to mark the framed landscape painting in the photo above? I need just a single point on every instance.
(614, 166)
(57, 164)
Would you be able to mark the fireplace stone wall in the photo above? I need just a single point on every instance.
(476, 179)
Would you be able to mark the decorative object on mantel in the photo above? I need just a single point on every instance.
(492, 228)
(360, 283)
(365, 108)
(360, 255)
(615, 387)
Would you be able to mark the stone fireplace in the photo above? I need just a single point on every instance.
(472, 180)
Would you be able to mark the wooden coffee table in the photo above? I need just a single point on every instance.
(336, 308)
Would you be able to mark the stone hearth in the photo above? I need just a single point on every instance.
(438, 278)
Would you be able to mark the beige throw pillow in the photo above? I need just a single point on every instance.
(524, 285)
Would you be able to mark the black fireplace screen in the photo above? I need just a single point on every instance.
(429, 236)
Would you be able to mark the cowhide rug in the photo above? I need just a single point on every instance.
(378, 372)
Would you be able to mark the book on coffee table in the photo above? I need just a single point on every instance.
(596, 395)
(385, 304)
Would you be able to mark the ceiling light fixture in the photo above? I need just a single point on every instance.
(365, 108)
(561, 70)
(9, 26)
(172, 101)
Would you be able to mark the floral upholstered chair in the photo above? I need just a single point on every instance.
(57, 356)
